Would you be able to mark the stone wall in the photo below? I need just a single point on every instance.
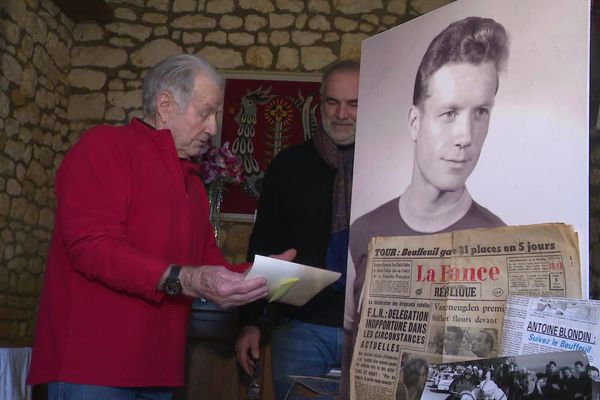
(35, 42)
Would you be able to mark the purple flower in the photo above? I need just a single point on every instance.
(220, 163)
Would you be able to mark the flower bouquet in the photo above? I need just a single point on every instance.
(220, 164)
(219, 167)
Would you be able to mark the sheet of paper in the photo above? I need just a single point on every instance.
(311, 280)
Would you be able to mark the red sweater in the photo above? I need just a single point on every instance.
(127, 207)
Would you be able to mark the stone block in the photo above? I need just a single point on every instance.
(220, 6)
(26, 283)
(357, 6)
(424, 6)
(192, 37)
(180, 6)
(331, 37)
(351, 45)
(158, 4)
(87, 78)
(47, 221)
(37, 174)
(17, 98)
(365, 27)
(122, 42)
(14, 149)
(31, 216)
(301, 21)
(86, 106)
(10, 31)
(241, 39)
(263, 38)
(36, 27)
(397, 7)
(129, 99)
(222, 58)
(161, 31)
(15, 8)
(154, 18)
(278, 21)
(4, 105)
(10, 314)
(264, 6)
(86, 32)
(259, 56)
(155, 51)
(29, 81)
(196, 21)
(138, 32)
(345, 24)
(321, 6)
(319, 23)
(315, 58)
(115, 114)
(3, 275)
(305, 38)
(11, 68)
(230, 22)
(98, 56)
(279, 38)
(17, 208)
(254, 22)
(126, 14)
(13, 187)
(219, 37)
(295, 6)
(287, 59)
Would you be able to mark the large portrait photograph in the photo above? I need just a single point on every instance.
(472, 116)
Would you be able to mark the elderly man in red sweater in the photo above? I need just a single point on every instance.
(132, 247)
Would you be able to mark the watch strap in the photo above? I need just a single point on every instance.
(174, 272)
(172, 285)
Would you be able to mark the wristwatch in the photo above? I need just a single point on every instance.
(172, 285)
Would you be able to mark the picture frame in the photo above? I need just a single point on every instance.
(264, 113)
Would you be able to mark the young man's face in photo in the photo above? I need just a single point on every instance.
(450, 126)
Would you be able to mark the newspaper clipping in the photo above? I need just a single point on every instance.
(441, 298)
(546, 324)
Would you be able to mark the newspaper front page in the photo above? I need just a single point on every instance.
(441, 298)
(541, 325)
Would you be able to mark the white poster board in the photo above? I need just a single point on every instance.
(533, 166)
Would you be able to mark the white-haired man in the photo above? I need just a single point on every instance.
(132, 246)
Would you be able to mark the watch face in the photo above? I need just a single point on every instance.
(172, 288)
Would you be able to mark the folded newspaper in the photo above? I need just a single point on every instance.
(442, 297)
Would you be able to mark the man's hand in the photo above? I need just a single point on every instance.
(287, 255)
(220, 286)
(247, 347)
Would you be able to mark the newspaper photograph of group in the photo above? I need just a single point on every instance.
(492, 304)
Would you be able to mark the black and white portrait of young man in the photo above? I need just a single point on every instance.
(473, 115)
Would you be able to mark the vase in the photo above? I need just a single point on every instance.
(215, 198)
